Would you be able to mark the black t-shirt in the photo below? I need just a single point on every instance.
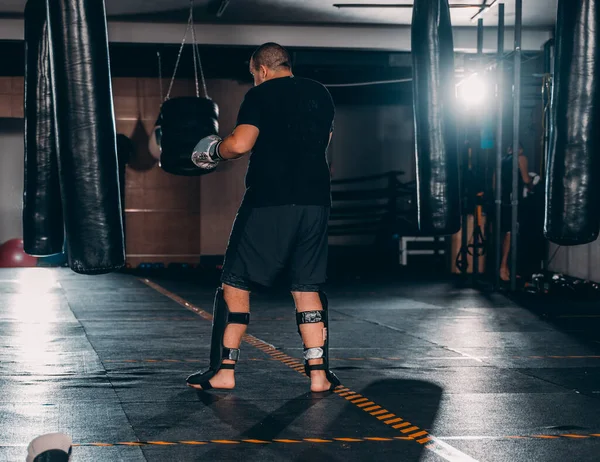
(288, 164)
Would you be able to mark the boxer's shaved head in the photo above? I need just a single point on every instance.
(272, 56)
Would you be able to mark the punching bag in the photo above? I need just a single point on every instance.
(438, 194)
(182, 123)
(85, 127)
(573, 179)
(43, 226)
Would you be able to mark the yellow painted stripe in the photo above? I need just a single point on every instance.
(389, 422)
(412, 437)
(368, 403)
(382, 411)
(372, 408)
(409, 430)
(387, 416)
(356, 400)
(402, 425)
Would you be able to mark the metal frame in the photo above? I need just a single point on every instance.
(499, 139)
(549, 71)
(355, 37)
(476, 163)
(516, 124)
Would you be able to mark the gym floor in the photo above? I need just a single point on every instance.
(430, 372)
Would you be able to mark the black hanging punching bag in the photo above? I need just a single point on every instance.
(86, 135)
(183, 122)
(43, 226)
(435, 126)
(573, 179)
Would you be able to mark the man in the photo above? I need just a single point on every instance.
(506, 218)
(287, 123)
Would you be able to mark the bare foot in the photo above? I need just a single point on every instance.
(504, 274)
(319, 382)
(223, 380)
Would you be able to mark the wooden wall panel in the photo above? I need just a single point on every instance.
(162, 210)
(11, 97)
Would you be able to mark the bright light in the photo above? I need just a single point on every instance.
(473, 91)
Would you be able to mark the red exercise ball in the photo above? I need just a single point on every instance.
(12, 255)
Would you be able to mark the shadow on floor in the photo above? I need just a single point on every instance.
(408, 399)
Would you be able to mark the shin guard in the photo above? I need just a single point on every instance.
(313, 317)
(222, 317)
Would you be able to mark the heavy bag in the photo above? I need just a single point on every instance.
(43, 225)
(573, 179)
(182, 123)
(438, 195)
(85, 124)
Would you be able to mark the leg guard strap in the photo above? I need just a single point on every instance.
(238, 318)
(310, 317)
(313, 353)
(232, 354)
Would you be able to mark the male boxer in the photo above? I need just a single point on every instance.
(287, 123)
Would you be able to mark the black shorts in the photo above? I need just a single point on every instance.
(267, 242)
(506, 218)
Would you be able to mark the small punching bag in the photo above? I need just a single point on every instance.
(185, 120)
(436, 133)
(85, 127)
(573, 175)
(43, 225)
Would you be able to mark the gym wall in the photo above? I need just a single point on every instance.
(11, 157)
(11, 178)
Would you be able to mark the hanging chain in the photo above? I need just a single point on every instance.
(191, 23)
(197, 49)
(177, 63)
(160, 79)
(197, 58)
